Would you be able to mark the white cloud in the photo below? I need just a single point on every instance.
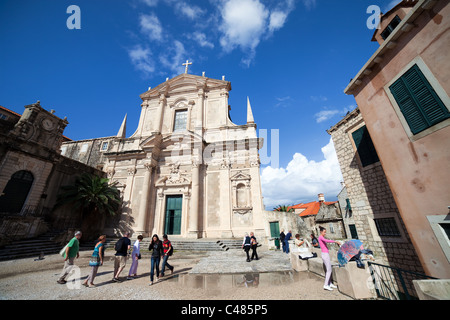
(302, 179)
(244, 22)
(174, 57)
(142, 59)
(200, 38)
(309, 4)
(190, 11)
(327, 114)
(151, 26)
(318, 98)
(324, 115)
(150, 3)
(277, 20)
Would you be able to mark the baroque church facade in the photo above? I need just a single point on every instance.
(188, 170)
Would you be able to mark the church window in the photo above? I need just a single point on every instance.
(104, 146)
(180, 123)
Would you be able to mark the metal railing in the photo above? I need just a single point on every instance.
(393, 283)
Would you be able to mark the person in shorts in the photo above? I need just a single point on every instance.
(120, 259)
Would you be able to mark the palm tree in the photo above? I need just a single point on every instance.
(94, 198)
(283, 208)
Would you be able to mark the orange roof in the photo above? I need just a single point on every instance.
(311, 208)
(6, 109)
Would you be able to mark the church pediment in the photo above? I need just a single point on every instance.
(185, 83)
(241, 176)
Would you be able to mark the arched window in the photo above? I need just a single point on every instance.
(15, 194)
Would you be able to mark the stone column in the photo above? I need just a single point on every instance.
(199, 116)
(160, 114)
(225, 200)
(193, 231)
(141, 227)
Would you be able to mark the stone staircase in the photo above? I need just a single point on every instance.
(26, 248)
(196, 245)
(45, 245)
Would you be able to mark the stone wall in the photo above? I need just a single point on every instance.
(371, 198)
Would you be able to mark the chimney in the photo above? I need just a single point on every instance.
(321, 197)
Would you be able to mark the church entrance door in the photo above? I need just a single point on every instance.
(173, 214)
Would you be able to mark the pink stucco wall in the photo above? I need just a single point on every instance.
(418, 170)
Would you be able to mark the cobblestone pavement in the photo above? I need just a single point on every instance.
(197, 276)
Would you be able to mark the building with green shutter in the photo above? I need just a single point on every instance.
(403, 95)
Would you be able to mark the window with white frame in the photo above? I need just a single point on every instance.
(104, 146)
(440, 224)
(180, 123)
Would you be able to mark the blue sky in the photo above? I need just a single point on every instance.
(293, 58)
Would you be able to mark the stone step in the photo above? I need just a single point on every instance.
(191, 244)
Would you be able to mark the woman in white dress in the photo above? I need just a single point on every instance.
(135, 256)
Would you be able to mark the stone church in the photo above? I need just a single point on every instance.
(188, 170)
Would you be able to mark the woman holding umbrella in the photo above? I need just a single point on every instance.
(328, 285)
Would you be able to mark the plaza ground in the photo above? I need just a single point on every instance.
(197, 276)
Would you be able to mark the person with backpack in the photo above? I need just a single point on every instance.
(246, 244)
(157, 251)
(168, 251)
(120, 260)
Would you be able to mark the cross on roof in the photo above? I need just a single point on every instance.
(187, 65)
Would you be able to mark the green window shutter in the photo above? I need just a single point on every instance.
(364, 146)
(419, 103)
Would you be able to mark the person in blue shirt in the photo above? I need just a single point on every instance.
(286, 240)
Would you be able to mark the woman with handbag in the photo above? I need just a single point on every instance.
(135, 256)
(96, 261)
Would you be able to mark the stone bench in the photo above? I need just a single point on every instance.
(351, 280)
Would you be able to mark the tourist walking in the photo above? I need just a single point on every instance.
(70, 253)
(282, 237)
(120, 260)
(168, 251)
(254, 245)
(135, 256)
(328, 285)
(157, 251)
(96, 261)
(246, 244)
(286, 240)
